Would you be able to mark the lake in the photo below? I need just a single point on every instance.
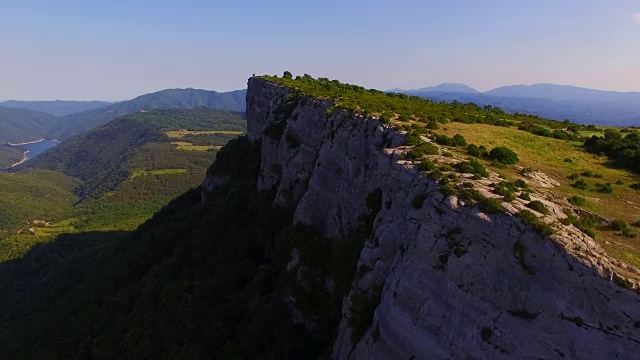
(38, 148)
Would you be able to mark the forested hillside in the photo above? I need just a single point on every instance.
(167, 99)
(120, 173)
(20, 125)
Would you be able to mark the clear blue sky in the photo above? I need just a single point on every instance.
(113, 50)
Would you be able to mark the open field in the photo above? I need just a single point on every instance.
(137, 173)
(183, 145)
(175, 134)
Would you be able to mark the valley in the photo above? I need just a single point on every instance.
(116, 176)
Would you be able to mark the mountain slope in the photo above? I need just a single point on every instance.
(323, 234)
(99, 157)
(20, 125)
(444, 87)
(57, 107)
(169, 99)
(566, 93)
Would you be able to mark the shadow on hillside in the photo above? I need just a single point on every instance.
(32, 282)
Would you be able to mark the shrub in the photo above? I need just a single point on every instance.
(485, 334)
(620, 182)
(580, 184)
(636, 224)
(526, 170)
(606, 188)
(412, 138)
(476, 151)
(423, 149)
(575, 176)
(567, 160)
(521, 184)
(525, 196)
(538, 206)
(491, 206)
(448, 190)
(628, 233)
(427, 165)
(473, 166)
(635, 186)
(418, 201)
(446, 167)
(504, 155)
(459, 140)
(618, 225)
(578, 201)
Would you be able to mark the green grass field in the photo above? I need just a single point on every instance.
(175, 134)
(137, 173)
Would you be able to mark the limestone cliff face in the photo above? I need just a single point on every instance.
(456, 283)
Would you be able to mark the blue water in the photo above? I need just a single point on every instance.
(38, 148)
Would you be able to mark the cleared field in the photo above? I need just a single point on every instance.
(176, 134)
(182, 145)
(559, 159)
(137, 173)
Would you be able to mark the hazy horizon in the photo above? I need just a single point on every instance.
(113, 51)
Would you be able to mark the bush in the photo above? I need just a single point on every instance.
(427, 165)
(606, 188)
(412, 138)
(525, 196)
(477, 151)
(618, 225)
(446, 167)
(504, 155)
(521, 184)
(628, 233)
(620, 182)
(421, 150)
(578, 201)
(538, 206)
(448, 190)
(473, 166)
(580, 184)
(418, 201)
(491, 206)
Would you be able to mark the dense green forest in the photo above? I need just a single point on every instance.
(197, 281)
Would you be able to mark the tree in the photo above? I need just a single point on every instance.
(504, 155)
(287, 75)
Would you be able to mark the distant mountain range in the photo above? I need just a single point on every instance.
(57, 107)
(444, 87)
(25, 124)
(166, 99)
(557, 102)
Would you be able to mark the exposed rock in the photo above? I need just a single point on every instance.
(456, 283)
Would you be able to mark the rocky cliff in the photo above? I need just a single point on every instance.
(446, 280)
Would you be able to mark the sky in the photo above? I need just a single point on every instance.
(116, 50)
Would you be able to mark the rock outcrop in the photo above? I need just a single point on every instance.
(456, 283)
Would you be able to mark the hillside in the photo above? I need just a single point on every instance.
(324, 232)
(55, 108)
(120, 174)
(9, 155)
(566, 93)
(20, 125)
(167, 99)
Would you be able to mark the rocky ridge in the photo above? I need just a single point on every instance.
(447, 280)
